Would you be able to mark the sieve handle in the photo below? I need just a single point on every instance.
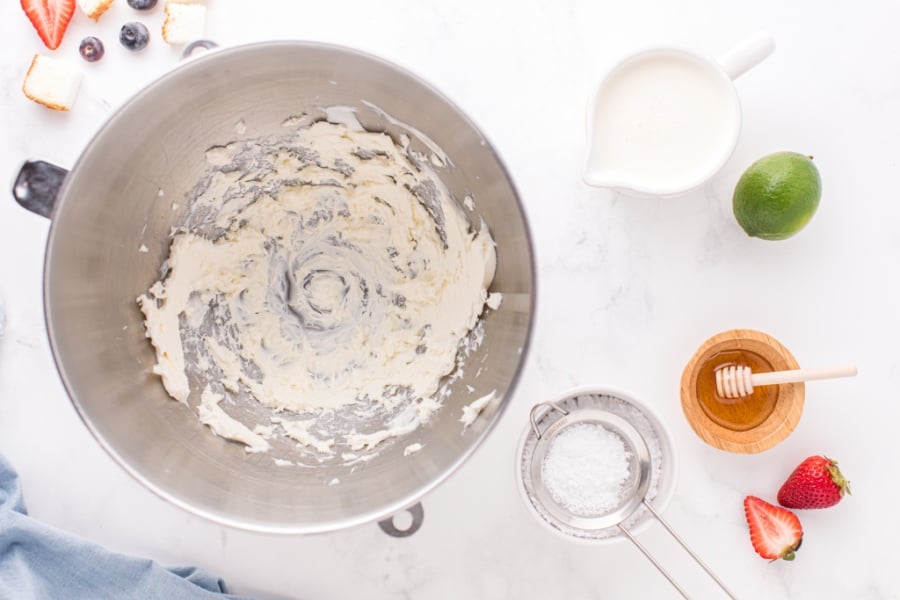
(533, 415)
(653, 560)
(685, 546)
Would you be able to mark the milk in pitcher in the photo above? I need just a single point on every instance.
(661, 121)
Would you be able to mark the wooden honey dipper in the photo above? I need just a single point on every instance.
(737, 381)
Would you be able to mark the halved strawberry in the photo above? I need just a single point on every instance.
(50, 18)
(774, 531)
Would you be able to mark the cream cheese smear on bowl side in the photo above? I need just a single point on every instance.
(321, 281)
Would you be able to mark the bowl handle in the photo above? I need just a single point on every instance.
(418, 515)
(37, 186)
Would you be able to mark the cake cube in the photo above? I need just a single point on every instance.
(94, 8)
(51, 82)
(185, 22)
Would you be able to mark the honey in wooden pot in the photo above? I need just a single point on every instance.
(737, 414)
(750, 424)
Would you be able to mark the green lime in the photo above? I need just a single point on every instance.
(777, 195)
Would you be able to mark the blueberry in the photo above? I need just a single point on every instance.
(134, 36)
(142, 4)
(91, 49)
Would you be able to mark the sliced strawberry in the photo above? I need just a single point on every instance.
(815, 483)
(50, 18)
(774, 531)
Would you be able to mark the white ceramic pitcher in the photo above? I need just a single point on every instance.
(665, 120)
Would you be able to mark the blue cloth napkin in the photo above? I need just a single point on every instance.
(38, 562)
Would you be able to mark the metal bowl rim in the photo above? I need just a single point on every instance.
(223, 519)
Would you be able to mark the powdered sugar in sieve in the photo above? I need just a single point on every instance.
(586, 468)
(554, 510)
(590, 466)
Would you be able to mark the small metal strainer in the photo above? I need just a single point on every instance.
(634, 490)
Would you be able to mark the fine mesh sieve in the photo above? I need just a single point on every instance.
(645, 449)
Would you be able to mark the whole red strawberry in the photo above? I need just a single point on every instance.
(775, 532)
(815, 483)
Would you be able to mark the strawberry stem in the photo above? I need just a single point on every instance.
(838, 478)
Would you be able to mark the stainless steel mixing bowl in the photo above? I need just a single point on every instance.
(109, 204)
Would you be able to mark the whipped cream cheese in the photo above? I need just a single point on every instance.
(325, 273)
(212, 415)
(471, 411)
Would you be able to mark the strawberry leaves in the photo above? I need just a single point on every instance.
(815, 483)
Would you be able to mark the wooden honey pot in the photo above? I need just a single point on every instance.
(744, 425)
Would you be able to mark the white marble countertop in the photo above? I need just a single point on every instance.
(627, 290)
